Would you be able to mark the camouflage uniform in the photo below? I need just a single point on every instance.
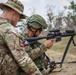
(12, 55)
(37, 50)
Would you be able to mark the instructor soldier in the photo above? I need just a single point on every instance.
(12, 55)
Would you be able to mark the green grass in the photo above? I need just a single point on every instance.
(60, 46)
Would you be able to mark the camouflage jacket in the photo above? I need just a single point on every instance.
(12, 54)
(36, 52)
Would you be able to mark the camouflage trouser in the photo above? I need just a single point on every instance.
(8, 66)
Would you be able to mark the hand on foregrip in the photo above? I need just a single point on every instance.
(49, 43)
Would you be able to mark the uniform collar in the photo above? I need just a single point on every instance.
(4, 20)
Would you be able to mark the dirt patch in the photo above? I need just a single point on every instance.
(67, 68)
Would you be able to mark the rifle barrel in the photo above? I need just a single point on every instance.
(51, 36)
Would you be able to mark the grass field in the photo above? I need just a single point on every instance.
(55, 53)
(60, 46)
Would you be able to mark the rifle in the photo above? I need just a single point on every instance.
(54, 34)
(58, 35)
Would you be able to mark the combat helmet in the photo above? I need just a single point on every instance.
(36, 21)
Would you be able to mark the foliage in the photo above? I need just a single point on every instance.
(50, 16)
(59, 20)
(55, 21)
(71, 16)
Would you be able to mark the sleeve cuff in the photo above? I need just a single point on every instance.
(43, 47)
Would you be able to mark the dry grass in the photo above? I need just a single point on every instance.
(60, 46)
(55, 53)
